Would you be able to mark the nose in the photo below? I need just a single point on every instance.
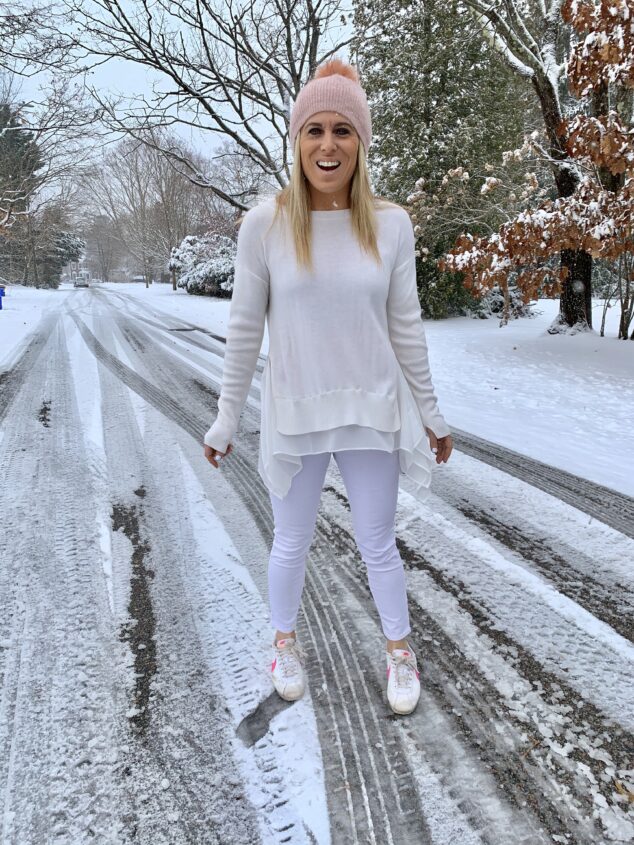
(328, 140)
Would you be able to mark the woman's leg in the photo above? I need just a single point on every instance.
(295, 516)
(371, 480)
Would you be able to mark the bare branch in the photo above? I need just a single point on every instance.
(230, 69)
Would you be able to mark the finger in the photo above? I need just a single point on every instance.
(443, 451)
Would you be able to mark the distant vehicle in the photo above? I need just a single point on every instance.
(81, 283)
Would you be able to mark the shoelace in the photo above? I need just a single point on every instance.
(404, 667)
(288, 658)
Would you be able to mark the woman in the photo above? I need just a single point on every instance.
(332, 268)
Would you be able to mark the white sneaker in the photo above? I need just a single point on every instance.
(287, 669)
(403, 684)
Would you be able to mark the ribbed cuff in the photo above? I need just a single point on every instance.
(438, 425)
(219, 436)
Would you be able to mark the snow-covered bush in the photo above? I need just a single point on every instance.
(204, 264)
(491, 304)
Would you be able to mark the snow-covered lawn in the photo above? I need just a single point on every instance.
(22, 310)
(565, 400)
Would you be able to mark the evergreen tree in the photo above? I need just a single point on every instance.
(58, 249)
(439, 100)
(20, 160)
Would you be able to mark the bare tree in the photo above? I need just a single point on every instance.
(121, 189)
(33, 36)
(52, 125)
(53, 135)
(231, 69)
(104, 249)
(150, 204)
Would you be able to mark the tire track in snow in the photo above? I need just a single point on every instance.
(270, 796)
(613, 604)
(249, 479)
(139, 632)
(58, 727)
(286, 790)
(337, 737)
(509, 742)
(609, 506)
(164, 324)
(144, 388)
(11, 380)
(357, 756)
(182, 784)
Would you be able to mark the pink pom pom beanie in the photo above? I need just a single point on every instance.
(335, 87)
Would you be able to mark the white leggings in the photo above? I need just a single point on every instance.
(371, 480)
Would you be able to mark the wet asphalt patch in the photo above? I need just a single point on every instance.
(256, 725)
(139, 632)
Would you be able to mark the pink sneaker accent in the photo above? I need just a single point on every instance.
(287, 669)
(403, 684)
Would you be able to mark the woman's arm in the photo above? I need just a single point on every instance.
(407, 334)
(245, 330)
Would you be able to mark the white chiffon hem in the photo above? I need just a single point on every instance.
(280, 454)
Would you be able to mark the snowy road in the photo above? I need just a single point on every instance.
(130, 569)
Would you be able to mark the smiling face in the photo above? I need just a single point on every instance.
(329, 144)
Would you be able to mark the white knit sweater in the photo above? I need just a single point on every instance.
(340, 337)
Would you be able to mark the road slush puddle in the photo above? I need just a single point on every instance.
(44, 414)
(139, 631)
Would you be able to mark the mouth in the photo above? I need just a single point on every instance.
(328, 165)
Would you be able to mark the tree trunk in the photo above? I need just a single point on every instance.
(575, 303)
(36, 278)
(173, 279)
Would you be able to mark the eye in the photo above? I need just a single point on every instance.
(342, 130)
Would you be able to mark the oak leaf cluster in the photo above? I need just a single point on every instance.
(599, 216)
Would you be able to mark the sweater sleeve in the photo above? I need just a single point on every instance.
(407, 333)
(245, 330)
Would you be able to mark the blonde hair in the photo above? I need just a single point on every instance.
(294, 202)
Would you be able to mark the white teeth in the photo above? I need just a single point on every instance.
(328, 163)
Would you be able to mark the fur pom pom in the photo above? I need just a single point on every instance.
(337, 66)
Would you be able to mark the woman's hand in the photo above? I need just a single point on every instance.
(443, 446)
(212, 454)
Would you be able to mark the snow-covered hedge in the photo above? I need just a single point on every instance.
(204, 264)
(491, 304)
